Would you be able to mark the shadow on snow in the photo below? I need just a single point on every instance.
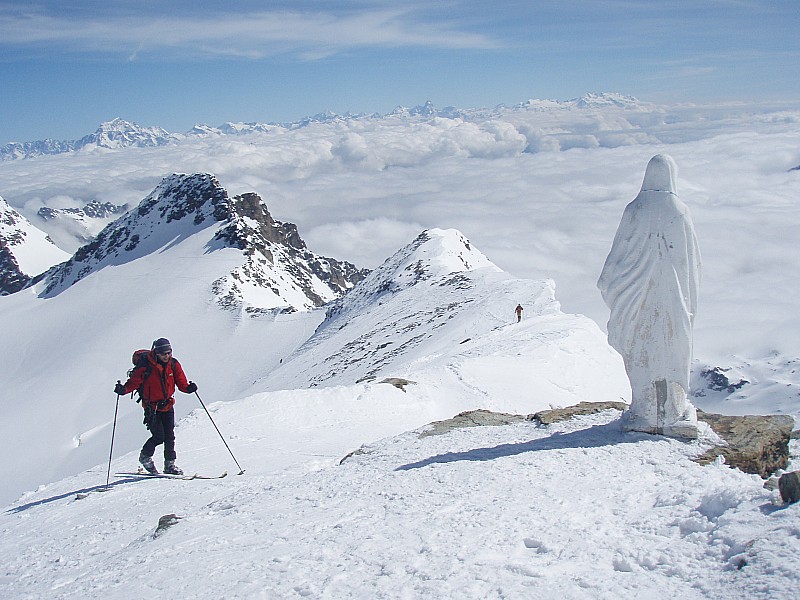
(593, 437)
(76, 493)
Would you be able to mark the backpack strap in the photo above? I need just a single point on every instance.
(148, 369)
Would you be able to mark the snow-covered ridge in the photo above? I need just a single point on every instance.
(119, 133)
(439, 305)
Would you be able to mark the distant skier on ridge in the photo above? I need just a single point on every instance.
(156, 375)
(650, 282)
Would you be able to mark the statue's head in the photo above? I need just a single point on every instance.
(661, 175)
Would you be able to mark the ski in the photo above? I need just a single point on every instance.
(170, 476)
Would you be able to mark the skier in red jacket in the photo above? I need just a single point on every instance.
(156, 377)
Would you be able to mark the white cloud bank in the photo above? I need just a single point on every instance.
(538, 188)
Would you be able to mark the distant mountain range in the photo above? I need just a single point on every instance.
(119, 133)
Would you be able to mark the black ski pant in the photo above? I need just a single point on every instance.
(162, 431)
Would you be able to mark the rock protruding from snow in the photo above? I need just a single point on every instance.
(25, 251)
(753, 443)
(789, 487)
(277, 269)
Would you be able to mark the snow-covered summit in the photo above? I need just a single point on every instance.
(25, 251)
(435, 253)
(114, 134)
(600, 100)
(119, 133)
(277, 269)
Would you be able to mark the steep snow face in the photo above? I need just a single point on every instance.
(180, 206)
(25, 251)
(438, 309)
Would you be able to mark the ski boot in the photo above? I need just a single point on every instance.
(148, 464)
(170, 468)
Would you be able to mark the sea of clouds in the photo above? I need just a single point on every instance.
(539, 188)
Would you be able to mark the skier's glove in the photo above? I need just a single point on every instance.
(191, 388)
(119, 389)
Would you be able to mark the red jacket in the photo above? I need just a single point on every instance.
(160, 383)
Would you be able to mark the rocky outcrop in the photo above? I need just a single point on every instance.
(252, 229)
(25, 251)
(721, 379)
(546, 417)
(755, 444)
(12, 279)
(472, 418)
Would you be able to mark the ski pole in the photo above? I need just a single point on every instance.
(113, 431)
(241, 470)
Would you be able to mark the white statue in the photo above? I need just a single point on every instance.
(650, 281)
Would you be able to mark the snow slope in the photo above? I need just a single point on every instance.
(572, 510)
(180, 265)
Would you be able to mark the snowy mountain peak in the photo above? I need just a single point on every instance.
(275, 270)
(422, 110)
(433, 254)
(277, 260)
(119, 133)
(595, 100)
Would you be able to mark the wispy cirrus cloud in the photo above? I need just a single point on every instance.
(232, 34)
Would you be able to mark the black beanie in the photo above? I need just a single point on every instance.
(162, 345)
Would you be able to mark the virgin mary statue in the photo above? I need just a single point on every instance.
(650, 282)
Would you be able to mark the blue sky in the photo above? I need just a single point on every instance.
(67, 66)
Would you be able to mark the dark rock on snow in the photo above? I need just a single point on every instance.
(789, 487)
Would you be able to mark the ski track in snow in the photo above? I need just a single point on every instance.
(572, 510)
